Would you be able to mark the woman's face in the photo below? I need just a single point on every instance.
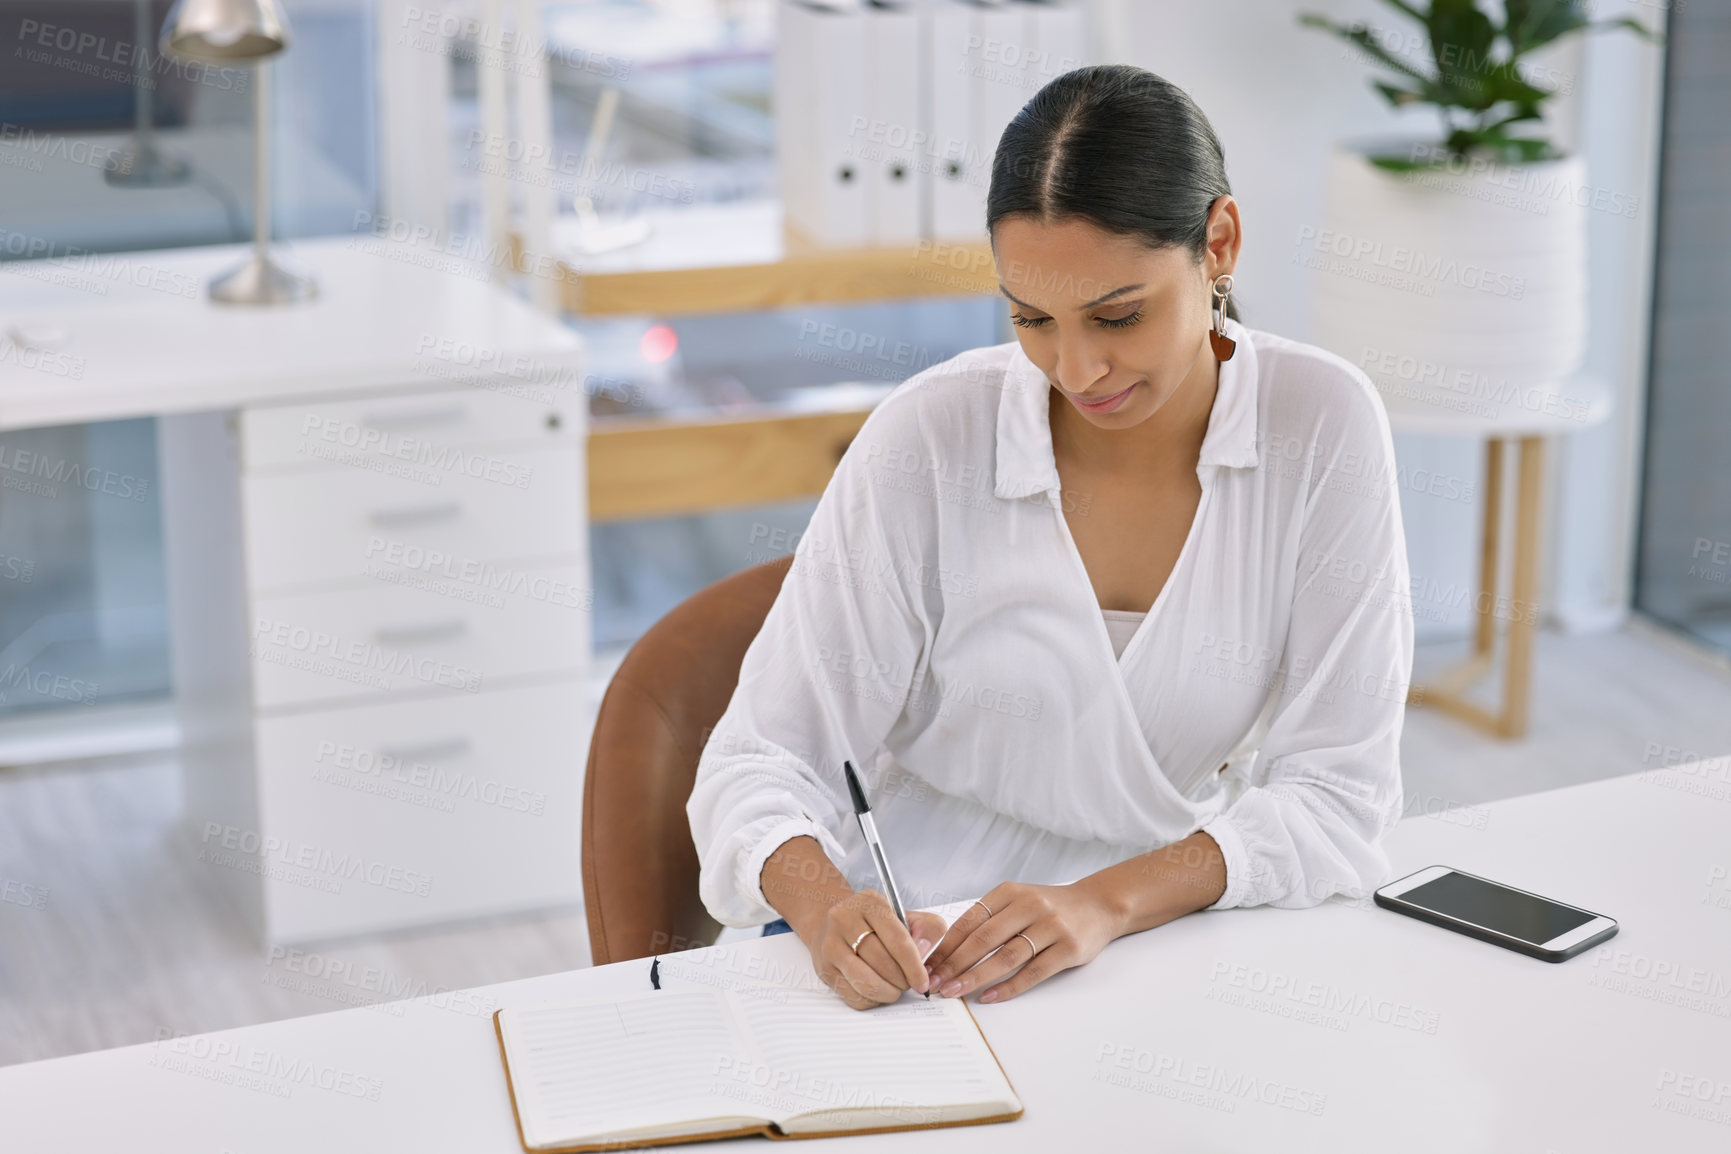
(1115, 326)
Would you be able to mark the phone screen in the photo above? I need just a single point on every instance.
(1507, 911)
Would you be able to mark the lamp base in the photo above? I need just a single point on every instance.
(261, 281)
(145, 166)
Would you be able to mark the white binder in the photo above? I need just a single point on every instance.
(888, 115)
(984, 61)
(821, 108)
(959, 168)
(999, 50)
(890, 146)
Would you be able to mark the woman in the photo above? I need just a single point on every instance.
(1112, 618)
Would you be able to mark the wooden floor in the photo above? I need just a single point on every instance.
(130, 938)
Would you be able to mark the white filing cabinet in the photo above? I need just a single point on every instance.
(414, 579)
(418, 587)
(379, 587)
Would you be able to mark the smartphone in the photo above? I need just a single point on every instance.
(1493, 912)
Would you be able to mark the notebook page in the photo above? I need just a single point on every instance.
(910, 1063)
(621, 1064)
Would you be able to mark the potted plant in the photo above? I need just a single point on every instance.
(1453, 270)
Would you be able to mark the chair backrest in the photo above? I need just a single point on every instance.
(639, 862)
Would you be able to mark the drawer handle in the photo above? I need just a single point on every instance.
(415, 418)
(428, 750)
(416, 514)
(421, 634)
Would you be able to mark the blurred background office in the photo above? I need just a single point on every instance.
(632, 173)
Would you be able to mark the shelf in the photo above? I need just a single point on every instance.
(673, 466)
(741, 257)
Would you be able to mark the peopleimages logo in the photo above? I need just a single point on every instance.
(1287, 994)
(322, 862)
(124, 61)
(1366, 258)
(361, 662)
(1535, 187)
(365, 439)
(415, 773)
(251, 1067)
(47, 473)
(1210, 1085)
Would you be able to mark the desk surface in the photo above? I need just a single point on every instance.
(137, 336)
(1342, 1027)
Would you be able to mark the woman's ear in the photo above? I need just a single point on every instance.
(1225, 237)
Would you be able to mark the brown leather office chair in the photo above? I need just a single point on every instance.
(639, 863)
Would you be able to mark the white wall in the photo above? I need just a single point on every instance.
(1280, 96)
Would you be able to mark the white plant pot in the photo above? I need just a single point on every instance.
(1464, 281)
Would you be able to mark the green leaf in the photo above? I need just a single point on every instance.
(1531, 23)
(1410, 9)
(1518, 116)
(1398, 163)
(1362, 37)
(1461, 42)
(1504, 83)
(1475, 72)
(1498, 145)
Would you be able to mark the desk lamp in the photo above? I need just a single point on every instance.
(245, 31)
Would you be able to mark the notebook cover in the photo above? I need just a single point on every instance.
(767, 1129)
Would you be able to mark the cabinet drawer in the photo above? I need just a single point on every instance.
(421, 428)
(417, 812)
(308, 527)
(414, 631)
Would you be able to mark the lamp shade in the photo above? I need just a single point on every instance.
(217, 30)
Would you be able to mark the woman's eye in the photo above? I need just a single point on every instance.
(1120, 322)
(1028, 322)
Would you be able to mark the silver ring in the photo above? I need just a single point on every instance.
(1031, 946)
(983, 906)
(868, 933)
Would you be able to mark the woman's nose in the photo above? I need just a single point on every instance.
(1079, 364)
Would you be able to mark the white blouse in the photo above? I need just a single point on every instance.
(939, 629)
(1121, 625)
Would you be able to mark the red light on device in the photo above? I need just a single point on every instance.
(659, 343)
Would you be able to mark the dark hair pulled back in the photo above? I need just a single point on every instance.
(1119, 147)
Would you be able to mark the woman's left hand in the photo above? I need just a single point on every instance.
(1041, 929)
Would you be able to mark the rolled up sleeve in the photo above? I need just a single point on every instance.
(1327, 786)
(825, 679)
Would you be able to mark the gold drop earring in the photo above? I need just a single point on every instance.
(1224, 346)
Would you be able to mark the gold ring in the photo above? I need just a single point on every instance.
(983, 906)
(869, 932)
(1031, 946)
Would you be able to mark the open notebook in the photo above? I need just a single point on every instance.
(683, 1065)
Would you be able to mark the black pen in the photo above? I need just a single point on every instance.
(862, 811)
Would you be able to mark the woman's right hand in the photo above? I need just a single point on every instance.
(890, 957)
(808, 890)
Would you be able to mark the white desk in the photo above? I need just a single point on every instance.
(375, 527)
(142, 339)
(1436, 1042)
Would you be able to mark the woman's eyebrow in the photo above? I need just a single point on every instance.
(1096, 301)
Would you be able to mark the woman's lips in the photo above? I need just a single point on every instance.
(1105, 404)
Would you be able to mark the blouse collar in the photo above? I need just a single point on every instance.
(1025, 464)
